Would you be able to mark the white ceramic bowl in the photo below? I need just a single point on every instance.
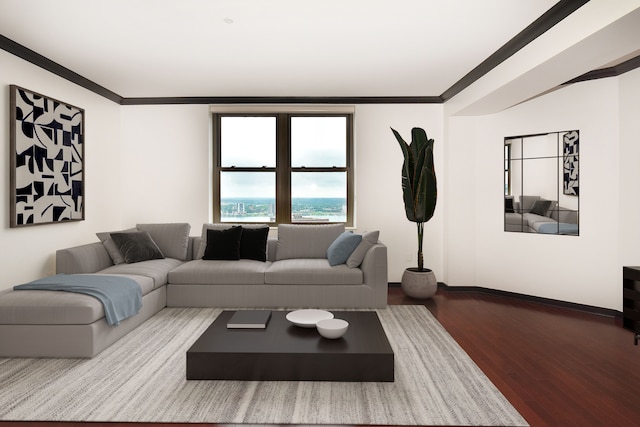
(332, 328)
(307, 318)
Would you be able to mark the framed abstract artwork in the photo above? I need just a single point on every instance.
(47, 159)
(571, 145)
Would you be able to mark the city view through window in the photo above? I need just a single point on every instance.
(316, 209)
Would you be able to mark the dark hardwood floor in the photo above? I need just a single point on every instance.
(557, 366)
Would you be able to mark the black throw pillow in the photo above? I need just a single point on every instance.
(223, 244)
(508, 205)
(253, 244)
(136, 246)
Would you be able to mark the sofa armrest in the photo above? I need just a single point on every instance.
(82, 259)
(374, 268)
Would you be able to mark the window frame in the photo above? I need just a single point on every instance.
(283, 169)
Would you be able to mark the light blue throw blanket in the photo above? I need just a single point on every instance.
(121, 297)
(560, 228)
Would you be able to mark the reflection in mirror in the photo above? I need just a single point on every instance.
(541, 185)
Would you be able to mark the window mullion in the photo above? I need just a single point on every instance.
(283, 170)
(350, 173)
(215, 185)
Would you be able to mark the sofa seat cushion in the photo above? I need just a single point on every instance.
(220, 272)
(311, 271)
(533, 219)
(513, 218)
(157, 269)
(56, 307)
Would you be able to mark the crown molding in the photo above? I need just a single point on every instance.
(285, 100)
(614, 71)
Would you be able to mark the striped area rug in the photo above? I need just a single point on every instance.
(142, 378)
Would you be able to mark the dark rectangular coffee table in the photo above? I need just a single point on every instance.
(285, 352)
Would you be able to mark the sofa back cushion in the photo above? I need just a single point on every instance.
(526, 203)
(567, 216)
(171, 238)
(306, 240)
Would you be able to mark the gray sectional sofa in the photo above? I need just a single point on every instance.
(292, 270)
(533, 214)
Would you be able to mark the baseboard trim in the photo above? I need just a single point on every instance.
(600, 311)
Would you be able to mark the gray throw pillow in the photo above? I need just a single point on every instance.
(341, 248)
(136, 246)
(540, 207)
(110, 246)
(368, 240)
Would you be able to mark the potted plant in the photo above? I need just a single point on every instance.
(420, 194)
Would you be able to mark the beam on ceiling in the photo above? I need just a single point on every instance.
(557, 13)
(55, 68)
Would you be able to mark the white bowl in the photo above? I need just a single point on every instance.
(332, 328)
(307, 318)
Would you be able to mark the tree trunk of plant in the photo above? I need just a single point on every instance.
(420, 256)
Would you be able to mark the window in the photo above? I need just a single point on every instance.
(283, 168)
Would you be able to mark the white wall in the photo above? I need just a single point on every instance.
(165, 164)
(27, 253)
(629, 170)
(584, 269)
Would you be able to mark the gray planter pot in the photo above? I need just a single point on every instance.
(419, 284)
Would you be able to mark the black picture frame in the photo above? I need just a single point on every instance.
(46, 159)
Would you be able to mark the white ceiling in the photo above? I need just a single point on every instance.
(312, 48)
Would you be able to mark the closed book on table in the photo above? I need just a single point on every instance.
(249, 319)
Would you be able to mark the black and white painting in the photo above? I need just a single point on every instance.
(47, 159)
(571, 145)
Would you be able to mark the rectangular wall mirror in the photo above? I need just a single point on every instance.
(541, 183)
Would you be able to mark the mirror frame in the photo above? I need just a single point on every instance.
(547, 164)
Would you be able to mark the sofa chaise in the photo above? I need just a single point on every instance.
(304, 266)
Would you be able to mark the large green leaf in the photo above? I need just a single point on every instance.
(419, 184)
(407, 177)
